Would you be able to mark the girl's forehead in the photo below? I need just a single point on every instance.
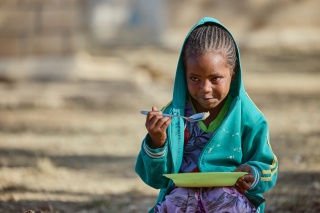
(208, 60)
(207, 65)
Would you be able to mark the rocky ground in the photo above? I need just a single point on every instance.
(70, 146)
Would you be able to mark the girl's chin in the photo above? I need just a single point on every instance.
(208, 106)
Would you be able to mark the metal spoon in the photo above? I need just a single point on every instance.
(193, 118)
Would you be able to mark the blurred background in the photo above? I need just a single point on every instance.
(74, 75)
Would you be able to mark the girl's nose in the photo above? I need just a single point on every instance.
(206, 86)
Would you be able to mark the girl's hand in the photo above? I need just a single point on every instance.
(244, 183)
(157, 125)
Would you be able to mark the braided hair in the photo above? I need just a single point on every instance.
(211, 38)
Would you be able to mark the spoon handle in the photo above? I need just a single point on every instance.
(143, 112)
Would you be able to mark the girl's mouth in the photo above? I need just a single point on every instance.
(206, 99)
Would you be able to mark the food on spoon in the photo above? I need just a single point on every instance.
(205, 115)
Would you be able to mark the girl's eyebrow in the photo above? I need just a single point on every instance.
(194, 74)
(215, 75)
(211, 75)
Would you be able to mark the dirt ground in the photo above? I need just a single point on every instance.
(70, 146)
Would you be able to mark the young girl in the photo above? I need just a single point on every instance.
(234, 137)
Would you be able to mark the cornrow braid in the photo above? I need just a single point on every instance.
(211, 38)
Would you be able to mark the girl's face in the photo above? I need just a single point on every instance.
(208, 79)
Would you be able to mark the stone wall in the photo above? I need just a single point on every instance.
(115, 23)
(40, 39)
(41, 27)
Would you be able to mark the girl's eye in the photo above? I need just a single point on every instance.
(194, 79)
(215, 79)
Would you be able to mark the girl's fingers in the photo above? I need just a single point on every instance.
(165, 123)
(245, 185)
(158, 124)
(155, 123)
(152, 122)
(240, 188)
(243, 168)
(162, 124)
(249, 179)
(154, 111)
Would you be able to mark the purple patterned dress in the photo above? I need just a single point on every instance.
(196, 200)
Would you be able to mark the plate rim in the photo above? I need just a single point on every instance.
(190, 183)
(203, 173)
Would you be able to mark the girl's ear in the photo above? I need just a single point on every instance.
(233, 76)
(233, 73)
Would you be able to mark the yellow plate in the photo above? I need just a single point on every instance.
(205, 179)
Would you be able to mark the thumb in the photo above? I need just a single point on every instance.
(154, 108)
(243, 168)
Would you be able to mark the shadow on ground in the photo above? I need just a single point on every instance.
(104, 164)
(129, 202)
(295, 192)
